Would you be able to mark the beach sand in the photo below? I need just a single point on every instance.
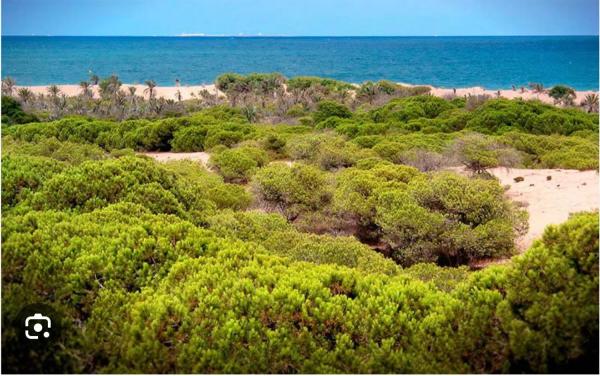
(170, 92)
(548, 195)
(548, 202)
(167, 92)
(200, 156)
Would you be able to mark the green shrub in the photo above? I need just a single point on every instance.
(322, 249)
(554, 151)
(297, 111)
(65, 151)
(502, 115)
(274, 143)
(405, 109)
(302, 83)
(551, 307)
(238, 165)
(12, 113)
(445, 279)
(22, 175)
(478, 153)
(199, 189)
(327, 109)
(291, 190)
(189, 139)
(562, 94)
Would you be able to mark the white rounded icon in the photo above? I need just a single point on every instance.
(40, 323)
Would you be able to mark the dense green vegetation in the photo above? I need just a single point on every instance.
(335, 242)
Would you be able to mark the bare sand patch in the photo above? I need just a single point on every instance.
(549, 196)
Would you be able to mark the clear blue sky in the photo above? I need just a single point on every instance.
(306, 17)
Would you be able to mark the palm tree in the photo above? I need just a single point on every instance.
(537, 88)
(250, 113)
(150, 89)
(590, 102)
(25, 94)
(94, 79)
(8, 85)
(109, 86)
(53, 90)
(367, 91)
(85, 89)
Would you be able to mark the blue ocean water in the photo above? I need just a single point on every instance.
(492, 62)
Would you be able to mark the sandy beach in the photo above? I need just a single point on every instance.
(170, 92)
(167, 92)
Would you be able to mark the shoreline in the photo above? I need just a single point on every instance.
(170, 92)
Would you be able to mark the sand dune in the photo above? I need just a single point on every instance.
(170, 92)
(549, 195)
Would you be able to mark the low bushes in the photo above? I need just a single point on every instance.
(443, 218)
(166, 255)
(328, 109)
(478, 153)
(555, 151)
(197, 303)
(414, 130)
(291, 190)
(181, 188)
(238, 165)
(502, 115)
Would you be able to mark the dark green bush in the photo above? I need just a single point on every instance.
(405, 109)
(562, 94)
(328, 109)
(189, 139)
(502, 115)
(12, 113)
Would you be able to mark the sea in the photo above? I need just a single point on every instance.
(489, 61)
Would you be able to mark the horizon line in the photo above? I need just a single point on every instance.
(200, 35)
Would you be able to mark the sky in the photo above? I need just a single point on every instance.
(300, 18)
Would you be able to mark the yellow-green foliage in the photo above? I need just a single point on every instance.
(239, 164)
(163, 268)
(188, 301)
(441, 217)
(291, 189)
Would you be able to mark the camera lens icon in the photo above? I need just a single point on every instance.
(37, 325)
